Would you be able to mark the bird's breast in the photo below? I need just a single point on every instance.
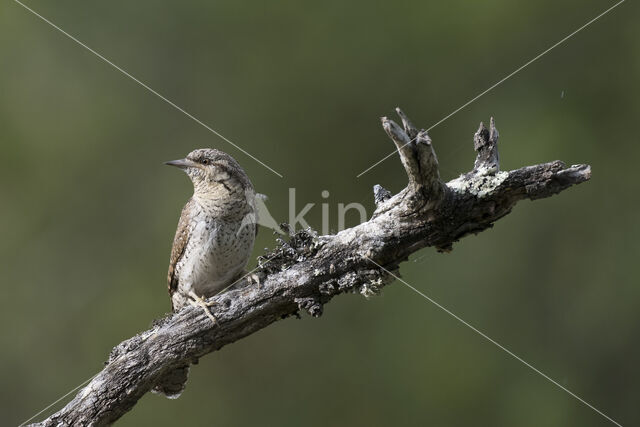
(217, 252)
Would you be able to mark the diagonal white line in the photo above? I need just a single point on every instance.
(68, 393)
(497, 344)
(499, 82)
(177, 107)
(246, 275)
(95, 375)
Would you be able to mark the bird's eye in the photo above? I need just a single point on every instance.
(205, 161)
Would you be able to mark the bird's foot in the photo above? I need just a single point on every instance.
(197, 301)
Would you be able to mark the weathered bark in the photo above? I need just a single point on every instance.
(307, 271)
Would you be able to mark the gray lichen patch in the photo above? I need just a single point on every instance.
(301, 245)
(372, 288)
(480, 185)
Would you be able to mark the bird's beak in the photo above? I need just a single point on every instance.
(182, 163)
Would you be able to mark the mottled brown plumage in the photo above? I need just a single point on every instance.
(216, 229)
(179, 244)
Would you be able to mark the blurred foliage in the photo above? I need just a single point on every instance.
(88, 212)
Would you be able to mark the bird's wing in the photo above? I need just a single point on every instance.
(179, 244)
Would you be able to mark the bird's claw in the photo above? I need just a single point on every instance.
(197, 301)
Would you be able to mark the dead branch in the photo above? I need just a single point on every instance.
(307, 271)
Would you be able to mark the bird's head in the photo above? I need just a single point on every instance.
(213, 173)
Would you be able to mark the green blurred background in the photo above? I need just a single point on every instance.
(88, 212)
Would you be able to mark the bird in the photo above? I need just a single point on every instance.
(213, 241)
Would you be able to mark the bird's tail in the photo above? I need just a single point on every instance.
(173, 383)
